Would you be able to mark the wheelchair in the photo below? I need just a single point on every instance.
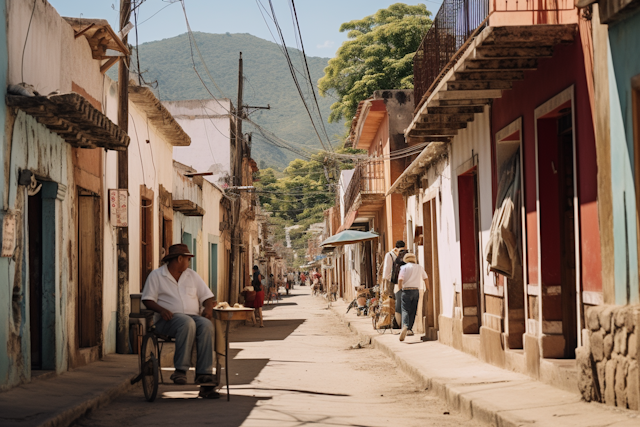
(151, 372)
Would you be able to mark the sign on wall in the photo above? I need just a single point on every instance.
(118, 204)
(8, 235)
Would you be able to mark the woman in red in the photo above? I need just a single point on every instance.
(258, 302)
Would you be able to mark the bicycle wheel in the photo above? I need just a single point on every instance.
(149, 366)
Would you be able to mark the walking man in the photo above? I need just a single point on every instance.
(184, 308)
(411, 280)
(387, 269)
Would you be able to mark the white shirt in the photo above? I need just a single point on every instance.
(388, 265)
(184, 296)
(412, 276)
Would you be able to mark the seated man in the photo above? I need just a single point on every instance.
(177, 294)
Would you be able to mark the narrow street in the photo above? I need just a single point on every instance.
(301, 369)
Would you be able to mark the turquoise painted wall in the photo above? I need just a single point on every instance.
(624, 63)
(5, 289)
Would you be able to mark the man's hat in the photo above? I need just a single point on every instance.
(176, 250)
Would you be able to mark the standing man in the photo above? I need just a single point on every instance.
(387, 269)
(184, 308)
(411, 280)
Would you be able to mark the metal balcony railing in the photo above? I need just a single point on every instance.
(453, 25)
(368, 178)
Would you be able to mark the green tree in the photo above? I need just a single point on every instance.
(378, 55)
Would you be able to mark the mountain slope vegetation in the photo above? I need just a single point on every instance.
(267, 81)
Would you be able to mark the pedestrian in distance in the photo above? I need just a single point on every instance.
(390, 273)
(411, 280)
(184, 308)
(258, 301)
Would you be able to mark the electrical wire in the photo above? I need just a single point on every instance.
(26, 38)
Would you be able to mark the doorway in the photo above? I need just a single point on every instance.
(469, 250)
(146, 239)
(213, 268)
(558, 222)
(430, 246)
(89, 271)
(35, 279)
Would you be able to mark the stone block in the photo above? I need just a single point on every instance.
(621, 382)
(609, 382)
(585, 374)
(633, 386)
(552, 346)
(620, 316)
(605, 318)
(632, 346)
(601, 372)
(592, 318)
(597, 345)
(620, 342)
(630, 319)
(608, 346)
(532, 355)
(491, 347)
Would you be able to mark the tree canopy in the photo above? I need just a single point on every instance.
(378, 55)
(299, 195)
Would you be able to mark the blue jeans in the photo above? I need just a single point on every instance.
(399, 302)
(185, 328)
(410, 299)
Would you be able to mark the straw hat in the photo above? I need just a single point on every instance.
(410, 257)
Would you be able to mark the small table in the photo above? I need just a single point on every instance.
(227, 315)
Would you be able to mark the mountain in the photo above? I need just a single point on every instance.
(267, 81)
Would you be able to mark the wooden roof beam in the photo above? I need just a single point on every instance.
(501, 64)
(489, 75)
(479, 85)
(513, 52)
(449, 125)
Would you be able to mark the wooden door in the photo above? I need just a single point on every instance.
(430, 245)
(146, 240)
(88, 298)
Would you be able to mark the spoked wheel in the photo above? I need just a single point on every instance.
(149, 366)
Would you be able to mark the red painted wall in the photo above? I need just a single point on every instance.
(565, 68)
(468, 253)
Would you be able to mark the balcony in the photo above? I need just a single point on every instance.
(473, 51)
(366, 190)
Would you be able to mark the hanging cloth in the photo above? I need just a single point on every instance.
(503, 249)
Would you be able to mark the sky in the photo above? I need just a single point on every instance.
(320, 20)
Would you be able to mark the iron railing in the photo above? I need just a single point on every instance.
(368, 178)
(454, 24)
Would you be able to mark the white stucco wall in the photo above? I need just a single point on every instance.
(442, 178)
(150, 164)
(208, 123)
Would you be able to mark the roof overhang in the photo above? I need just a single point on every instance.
(492, 61)
(426, 158)
(188, 208)
(74, 119)
(159, 116)
(101, 38)
(368, 120)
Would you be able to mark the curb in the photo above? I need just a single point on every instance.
(473, 408)
(70, 416)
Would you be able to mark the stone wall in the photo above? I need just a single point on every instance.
(608, 360)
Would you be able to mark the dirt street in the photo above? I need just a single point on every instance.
(301, 369)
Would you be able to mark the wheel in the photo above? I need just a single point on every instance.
(149, 366)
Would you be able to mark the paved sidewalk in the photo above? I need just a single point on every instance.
(61, 400)
(482, 391)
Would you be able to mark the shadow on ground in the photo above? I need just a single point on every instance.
(274, 330)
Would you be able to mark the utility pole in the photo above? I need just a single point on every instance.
(236, 236)
(122, 316)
